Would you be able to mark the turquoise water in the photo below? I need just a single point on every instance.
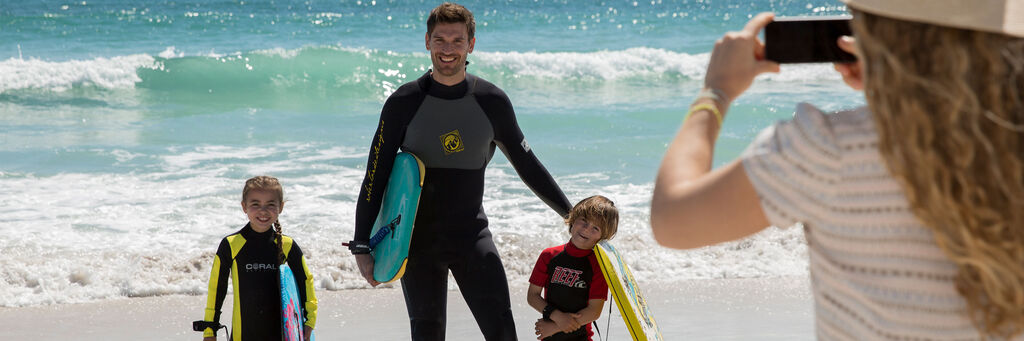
(127, 129)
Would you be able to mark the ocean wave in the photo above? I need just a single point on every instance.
(110, 73)
(357, 72)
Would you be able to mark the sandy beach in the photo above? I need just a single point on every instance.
(723, 309)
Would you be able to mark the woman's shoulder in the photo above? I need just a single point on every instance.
(845, 121)
(822, 143)
(842, 121)
(836, 131)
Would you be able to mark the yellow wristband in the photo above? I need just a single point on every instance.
(708, 107)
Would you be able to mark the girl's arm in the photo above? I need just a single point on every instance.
(692, 205)
(303, 281)
(218, 287)
(311, 302)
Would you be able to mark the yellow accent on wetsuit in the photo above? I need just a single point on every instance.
(252, 265)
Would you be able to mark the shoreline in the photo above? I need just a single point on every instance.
(775, 308)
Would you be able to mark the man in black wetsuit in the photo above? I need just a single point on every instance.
(452, 121)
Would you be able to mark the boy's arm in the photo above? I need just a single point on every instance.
(534, 299)
(566, 322)
(544, 328)
(538, 279)
(591, 313)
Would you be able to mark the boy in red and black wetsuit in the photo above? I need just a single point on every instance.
(574, 289)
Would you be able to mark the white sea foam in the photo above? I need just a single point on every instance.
(75, 237)
(606, 65)
(111, 73)
(80, 237)
(280, 52)
(292, 53)
(189, 159)
(170, 52)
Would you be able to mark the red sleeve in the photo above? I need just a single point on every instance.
(598, 286)
(540, 270)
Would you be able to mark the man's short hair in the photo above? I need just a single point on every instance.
(449, 13)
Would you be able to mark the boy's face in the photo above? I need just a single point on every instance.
(583, 234)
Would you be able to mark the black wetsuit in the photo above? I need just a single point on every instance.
(250, 258)
(454, 130)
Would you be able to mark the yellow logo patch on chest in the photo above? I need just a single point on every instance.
(451, 142)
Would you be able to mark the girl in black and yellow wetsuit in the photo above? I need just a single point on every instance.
(251, 257)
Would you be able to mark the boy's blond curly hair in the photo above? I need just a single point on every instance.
(598, 210)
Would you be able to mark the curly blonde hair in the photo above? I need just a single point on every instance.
(948, 109)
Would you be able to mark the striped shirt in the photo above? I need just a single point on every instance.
(876, 271)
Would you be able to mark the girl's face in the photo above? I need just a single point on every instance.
(262, 207)
(583, 234)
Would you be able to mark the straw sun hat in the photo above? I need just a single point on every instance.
(997, 16)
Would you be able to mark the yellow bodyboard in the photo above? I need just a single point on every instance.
(632, 305)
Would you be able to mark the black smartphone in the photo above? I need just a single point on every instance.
(807, 40)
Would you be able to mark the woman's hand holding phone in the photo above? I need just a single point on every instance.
(852, 72)
(737, 58)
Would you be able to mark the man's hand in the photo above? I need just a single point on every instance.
(307, 332)
(365, 263)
